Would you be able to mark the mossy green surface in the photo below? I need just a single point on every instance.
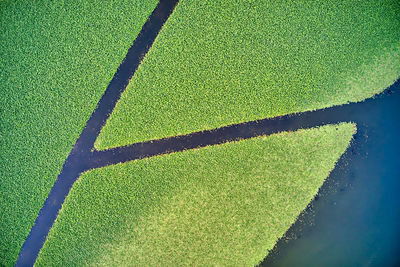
(222, 62)
(223, 205)
(57, 58)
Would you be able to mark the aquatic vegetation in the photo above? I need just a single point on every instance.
(226, 204)
(57, 59)
(213, 64)
(224, 62)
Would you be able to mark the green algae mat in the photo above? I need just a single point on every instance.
(57, 59)
(213, 64)
(225, 62)
(225, 204)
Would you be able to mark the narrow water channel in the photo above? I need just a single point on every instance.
(355, 220)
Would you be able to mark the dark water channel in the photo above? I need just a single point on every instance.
(78, 160)
(355, 220)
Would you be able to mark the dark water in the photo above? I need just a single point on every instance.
(350, 112)
(355, 220)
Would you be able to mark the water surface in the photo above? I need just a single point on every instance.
(355, 220)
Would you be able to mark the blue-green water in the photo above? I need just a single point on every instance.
(355, 220)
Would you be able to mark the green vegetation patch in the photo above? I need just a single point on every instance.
(221, 205)
(57, 59)
(222, 62)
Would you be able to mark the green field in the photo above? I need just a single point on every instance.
(57, 59)
(225, 204)
(224, 62)
(214, 63)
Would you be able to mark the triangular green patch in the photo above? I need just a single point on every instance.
(224, 62)
(226, 204)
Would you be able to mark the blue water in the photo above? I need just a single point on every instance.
(355, 220)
